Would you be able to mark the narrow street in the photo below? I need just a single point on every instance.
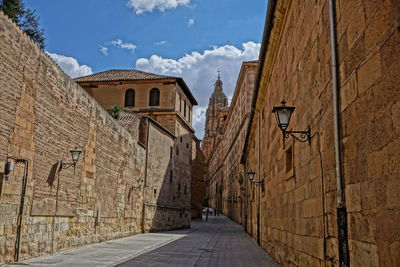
(218, 242)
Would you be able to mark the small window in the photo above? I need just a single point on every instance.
(184, 110)
(154, 97)
(155, 192)
(130, 98)
(263, 186)
(289, 159)
(181, 139)
(171, 176)
(177, 151)
(187, 145)
(180, 103)
(179, 187)
(185, 189)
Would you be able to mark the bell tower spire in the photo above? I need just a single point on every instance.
(217, 108)
(218, 83)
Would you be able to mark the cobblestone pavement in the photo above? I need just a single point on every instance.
(218, 242)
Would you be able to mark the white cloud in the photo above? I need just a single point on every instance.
(161, 43)
(104, 50)
(190, 22)
(71, 66)
(120, 44)
(142, 6)
(199, 70)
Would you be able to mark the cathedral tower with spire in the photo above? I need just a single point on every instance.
(215, 117)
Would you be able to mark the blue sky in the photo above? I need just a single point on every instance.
(188, 38)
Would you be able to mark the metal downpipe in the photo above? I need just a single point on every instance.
(344, 259)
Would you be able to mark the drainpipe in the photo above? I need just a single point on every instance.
(259, 181)
(21, 208)
(145, 177)
(344, 259)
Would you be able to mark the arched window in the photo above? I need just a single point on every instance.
(130, 98)
(154, 97)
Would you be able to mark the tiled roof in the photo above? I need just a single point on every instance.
(129, 120)
(133, 75)
(122, 75)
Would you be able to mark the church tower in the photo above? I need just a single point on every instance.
(215, 117)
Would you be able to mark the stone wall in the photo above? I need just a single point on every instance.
(224, 169)
(298, 207)
(167, 197)
(173, 115)
(198, 190)
(44, 114)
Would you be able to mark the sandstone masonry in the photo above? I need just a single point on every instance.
(44, 114)
(298, 216)
(290, 207)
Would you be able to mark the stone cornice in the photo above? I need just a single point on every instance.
(274, 26)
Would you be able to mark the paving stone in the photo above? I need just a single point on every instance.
(217, 242)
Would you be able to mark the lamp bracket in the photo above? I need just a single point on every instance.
(301, 136)
(66, 165)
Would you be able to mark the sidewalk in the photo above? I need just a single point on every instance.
(218, 242)
(109, 253)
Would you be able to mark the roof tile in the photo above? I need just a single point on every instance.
(122, 75)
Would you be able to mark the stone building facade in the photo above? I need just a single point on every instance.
(165, 99)
(298, 194)
(121, 184)
(225, 174)
(198, 189)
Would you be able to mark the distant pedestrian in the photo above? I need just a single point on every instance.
(206, 214)
(215, 212)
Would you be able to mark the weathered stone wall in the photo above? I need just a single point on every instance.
(198, 190)
(224, 169)
(170, 115)
(298, 209)
(164, 206)
(43, 115)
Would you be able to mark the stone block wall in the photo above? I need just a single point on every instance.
(198, 190)
(44, 114)
(298, 209)
(167, 202)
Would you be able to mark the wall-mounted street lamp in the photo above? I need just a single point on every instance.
(75, 154)
(251, 175)
(283, 114)
(139, 182)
